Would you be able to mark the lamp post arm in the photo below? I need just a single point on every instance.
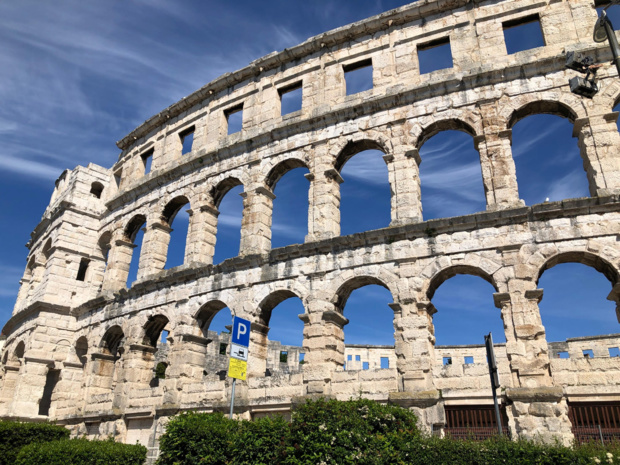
(613, 42)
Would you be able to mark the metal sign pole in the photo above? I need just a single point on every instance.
(488, 342)
(232, 398)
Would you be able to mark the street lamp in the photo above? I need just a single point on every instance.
(603, 30)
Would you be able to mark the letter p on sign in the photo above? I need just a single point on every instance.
(241, 332)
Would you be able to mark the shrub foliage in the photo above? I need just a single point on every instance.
(81, 452)
(15, 435)
(329, 432)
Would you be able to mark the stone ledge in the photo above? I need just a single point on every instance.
(539, 394)
(415, 399)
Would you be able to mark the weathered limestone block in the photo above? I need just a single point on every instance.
(154, 250)
(256, 221)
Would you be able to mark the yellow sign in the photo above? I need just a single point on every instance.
(237, 368)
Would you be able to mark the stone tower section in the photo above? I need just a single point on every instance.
(82, 347)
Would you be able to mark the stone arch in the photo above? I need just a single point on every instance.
(611, 93)
(17, 356)
(585, 258)
(111, 342)
(133, 226)
(104, 244)
(353, 147)
(446, 273)
(271, 301)
(205, 314)
(222, 188)
(281, 168)
(347, 287)
(449, 124)
(537, 107)
(152, 329)
(172, 208)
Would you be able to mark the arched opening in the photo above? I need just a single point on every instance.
(215, 322)
(17, 357)
(81, 350)
(450, 172)
(153, 330)
(111, 343)
(284, 332)
(547, 158)
(47, 250)
(177, 218)
(290, 208)
(227, 199)
(96, 189)
(365, 194)
(369, 333)
(574, 304)
(463, 298)
(134, 233)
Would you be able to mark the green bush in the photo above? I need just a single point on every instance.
(352, 432)
(81, 452)
(260, 442)
(361, 432)
(197, 438)
(15, 435)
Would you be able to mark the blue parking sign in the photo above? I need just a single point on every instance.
(241, 332)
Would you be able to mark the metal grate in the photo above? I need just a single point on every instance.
(595, 421)
(476, 422)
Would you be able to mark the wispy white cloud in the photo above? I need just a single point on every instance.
(367, 166)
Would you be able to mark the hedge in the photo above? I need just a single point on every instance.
(81, 452)
(354, 432)
(15, 435)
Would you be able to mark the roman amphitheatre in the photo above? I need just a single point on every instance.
(82, 348)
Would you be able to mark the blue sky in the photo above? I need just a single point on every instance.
(76, 76)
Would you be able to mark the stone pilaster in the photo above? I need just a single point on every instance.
(257, 359)
(100, 383)
(256, 221)
(404, 176)
(9, 383)
(614, 296)
(414, 345)
(187, 361)
(29, 387)
(499, 174)
(154, 250)
(324, 194)
(119, 261)
(69, 391)
(135, 375)
(599, 141)
(200, 245)
(539, 414)
(323, 344)
(526, 345)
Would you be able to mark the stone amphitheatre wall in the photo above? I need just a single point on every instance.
(77, 325)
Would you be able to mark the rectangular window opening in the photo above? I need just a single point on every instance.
(588, 353)
(469, 360)
(187, 140)
(283, 356)
(290, 99)
(164, 337)
(523, 34)
(563, 354)
(614, 352)
(302, 358)
(358, 358)
(349, 357)
(234, 119)
(223, 346)
(81, 276)
(385, 363)
(358, 77)
(365, 366)
(447, 361)
(435, 55)
(147, 160)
